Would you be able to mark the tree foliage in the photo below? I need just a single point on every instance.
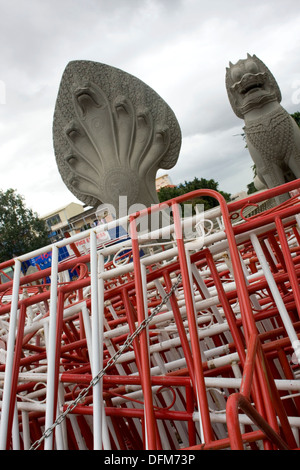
(251, 188)
(21, 230)
(168, 192)
(296, 117)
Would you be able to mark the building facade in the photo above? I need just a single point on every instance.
(74, 217)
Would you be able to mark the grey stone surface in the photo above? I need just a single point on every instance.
(273, 137)
(111, 133)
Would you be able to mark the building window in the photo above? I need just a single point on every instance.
(55, 219)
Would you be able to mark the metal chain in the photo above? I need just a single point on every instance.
(83, 393)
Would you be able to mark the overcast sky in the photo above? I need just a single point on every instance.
(180, 48)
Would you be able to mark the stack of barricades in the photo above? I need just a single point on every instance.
(178, 339)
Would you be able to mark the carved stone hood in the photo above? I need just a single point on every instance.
(111, 134)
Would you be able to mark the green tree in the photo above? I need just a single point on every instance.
(21, 230)
(296, 116)
(167, 193)
(251, 188)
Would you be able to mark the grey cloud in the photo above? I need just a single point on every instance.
(179, 47)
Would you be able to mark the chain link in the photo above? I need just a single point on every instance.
(128, 342)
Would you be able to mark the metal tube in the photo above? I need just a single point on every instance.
(289, 262)
(10, 355)
(277, 297)
(150, 427)
(15, 431)
(96, 350)
(25, 430)
(236, 401)
(16, 365)
(249, 367)
(199, 378)
(51, 350)
(101, 289)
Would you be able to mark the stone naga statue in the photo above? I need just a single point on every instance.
(111, 134)
(272, 135)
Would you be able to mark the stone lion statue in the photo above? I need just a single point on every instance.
(272, 135)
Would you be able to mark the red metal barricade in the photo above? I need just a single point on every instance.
(169, 340)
